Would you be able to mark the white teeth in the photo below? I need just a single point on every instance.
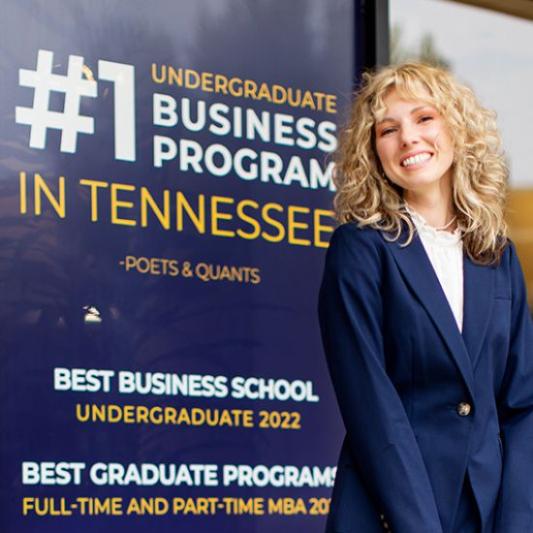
(415, 159)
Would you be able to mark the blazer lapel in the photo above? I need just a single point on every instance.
(418, 271)
(478, 302)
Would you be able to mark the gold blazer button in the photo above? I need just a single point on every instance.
(463, 409)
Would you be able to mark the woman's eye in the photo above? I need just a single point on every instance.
(387, 131)
(425, 118)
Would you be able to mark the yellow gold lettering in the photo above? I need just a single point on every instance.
(94, 186)
(40, 186)
(116, 204)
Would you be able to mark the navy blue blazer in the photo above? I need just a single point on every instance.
(423, 404)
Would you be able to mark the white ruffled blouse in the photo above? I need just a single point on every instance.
(445, 251)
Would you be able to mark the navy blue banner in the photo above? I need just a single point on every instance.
(166, 204)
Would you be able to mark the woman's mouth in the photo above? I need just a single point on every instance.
(416, 160)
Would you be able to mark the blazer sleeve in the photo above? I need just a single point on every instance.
(381, 439)
(515, 409)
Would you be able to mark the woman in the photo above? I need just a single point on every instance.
(424, 317)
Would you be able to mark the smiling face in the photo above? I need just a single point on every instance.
(414, 144)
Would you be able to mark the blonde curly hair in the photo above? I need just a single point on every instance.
(480, 173)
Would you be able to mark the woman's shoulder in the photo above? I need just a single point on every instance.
(508, 252)
(355, 232)
(350, 241)
(510, 256)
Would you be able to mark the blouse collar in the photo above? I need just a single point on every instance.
(442, 237)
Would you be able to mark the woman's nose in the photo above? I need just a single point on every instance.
(408, 135)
